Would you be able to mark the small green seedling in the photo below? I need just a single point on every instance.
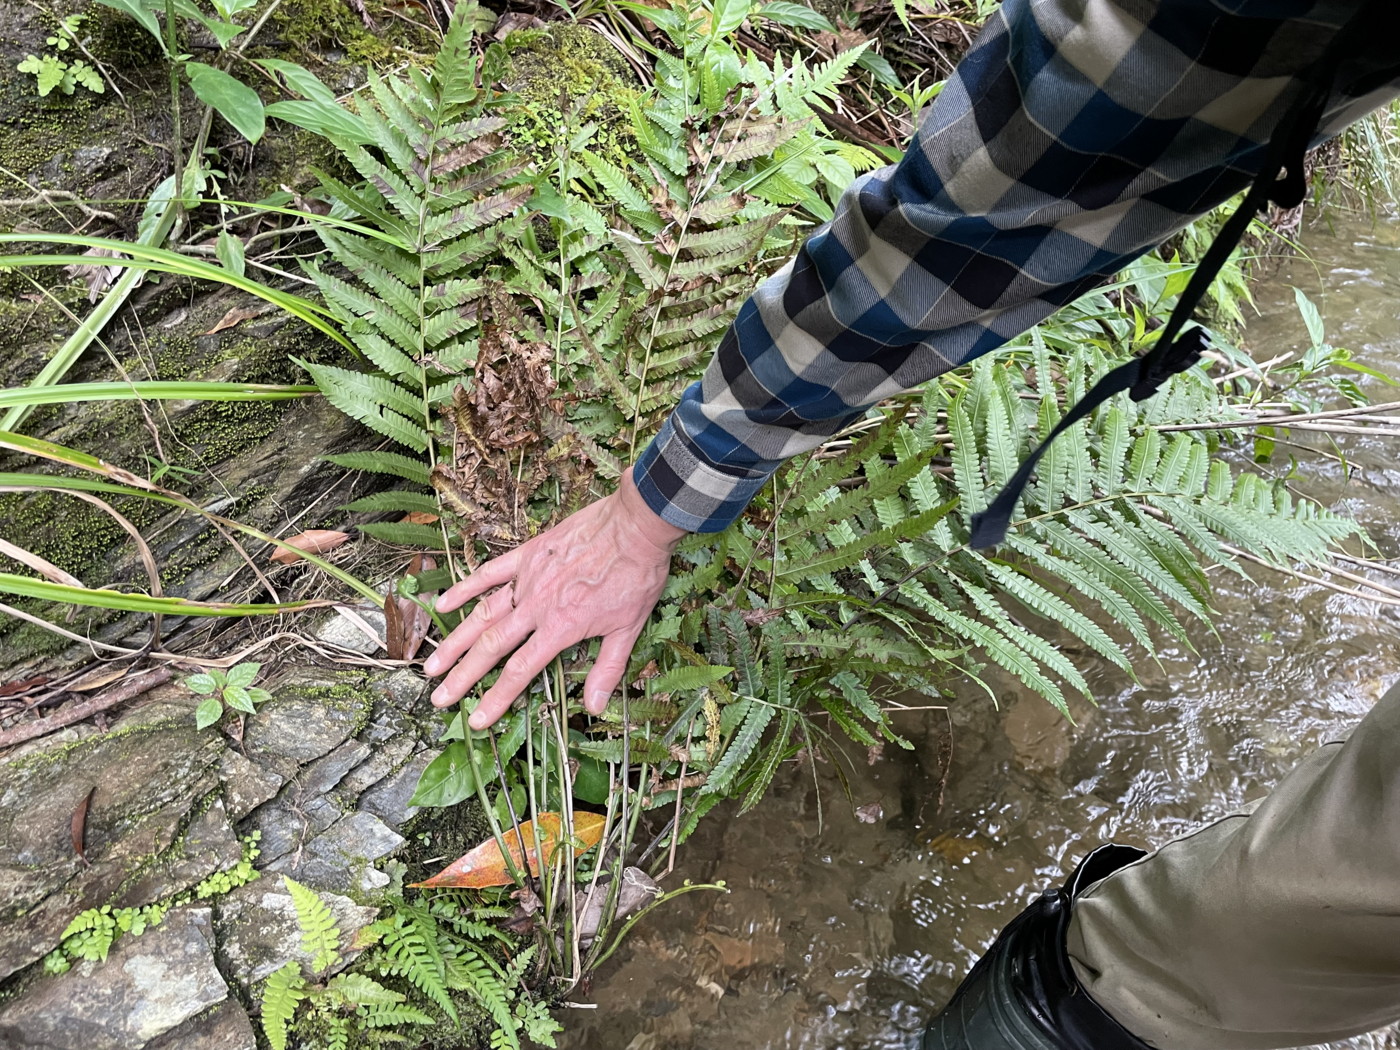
(230, 689)
(53, 71)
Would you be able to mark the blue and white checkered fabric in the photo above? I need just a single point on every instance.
(1074, 136)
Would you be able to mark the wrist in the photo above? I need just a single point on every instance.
(649, 526)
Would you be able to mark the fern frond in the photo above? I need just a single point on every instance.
(320, 937)
(382, 463)
(284, 991)
(409, 948)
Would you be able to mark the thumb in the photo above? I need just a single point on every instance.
(608, 670)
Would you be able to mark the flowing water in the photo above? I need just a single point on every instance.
(848, 922)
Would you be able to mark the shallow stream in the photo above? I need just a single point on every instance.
(847, 924)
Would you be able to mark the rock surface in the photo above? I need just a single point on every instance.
(147, 986)
(260, 923)
(323, 771)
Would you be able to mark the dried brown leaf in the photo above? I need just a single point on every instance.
(97, 276)
(236, 316)
(42, 566)
(23, 685)
(104, 675)
(393, 626)
(78, 826)
(312, 541)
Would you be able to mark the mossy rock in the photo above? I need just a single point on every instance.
(257, 462)
(569, 75)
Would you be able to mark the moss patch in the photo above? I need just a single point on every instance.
(568, 75)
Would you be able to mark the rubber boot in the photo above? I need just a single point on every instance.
(1023, 994)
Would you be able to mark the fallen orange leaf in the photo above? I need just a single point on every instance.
(313, 541)
(420, 517)
(486, 865)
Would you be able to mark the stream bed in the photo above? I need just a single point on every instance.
(850, 921)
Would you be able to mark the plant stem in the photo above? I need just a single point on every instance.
(177, 141)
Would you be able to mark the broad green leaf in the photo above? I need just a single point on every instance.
(208, 712)
(232, 99)
(244, 674)
(203, 684)
(1312, 320)
(230, 252)
(799, 16)
(237, 698)
(448, 778)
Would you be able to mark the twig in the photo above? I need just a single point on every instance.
(50, 196)
(1378, 599)
(131, 687)
(1294, 418)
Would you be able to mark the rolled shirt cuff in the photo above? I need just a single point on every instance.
(687, 491)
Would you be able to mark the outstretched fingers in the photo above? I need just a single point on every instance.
(608, 669)
(495, 643)
(520, 670)
(491, 610)
(490, 574)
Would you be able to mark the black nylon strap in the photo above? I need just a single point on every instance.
(1280, 180)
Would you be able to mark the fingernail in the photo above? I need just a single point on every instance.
(430, 667)
(596, 702)
(477, 721)
(440, 698)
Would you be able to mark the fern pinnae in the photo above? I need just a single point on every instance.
(1113, 450)
(742, 746)
(394, 500)
(1125, 580)
(773, 758)
(320, 937)
(391, 463)
(1090, 584)
(1038, 599)
(409, 949)
(1035, 646)
(1147, 451)
(284, 991)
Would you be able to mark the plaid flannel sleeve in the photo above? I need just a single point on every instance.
(1073, 137)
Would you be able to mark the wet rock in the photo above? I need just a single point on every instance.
(223, 1026)
(385, 759)
(338, 859)
(149, 774)
(287, 825)
(389, 798)
(340, 631)
(323, 775)
(259, 930)
(246, 786)
(404, 688)
(313, 715)
(638, 890)
(208, 845)
(147, 986)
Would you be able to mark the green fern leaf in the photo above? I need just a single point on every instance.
(284, 990)
(382, 463)
(320, 937)
(396, 500)
(404, 533)
(410, 948)
(741, 747)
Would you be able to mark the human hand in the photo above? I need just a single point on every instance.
(598, 573)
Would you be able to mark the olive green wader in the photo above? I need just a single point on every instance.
(1278, 926)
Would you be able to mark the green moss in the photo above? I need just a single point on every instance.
(566, 76)
(319, 28)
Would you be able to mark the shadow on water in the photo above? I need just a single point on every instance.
(840, 933)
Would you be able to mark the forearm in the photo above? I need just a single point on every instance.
(1076, 135)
